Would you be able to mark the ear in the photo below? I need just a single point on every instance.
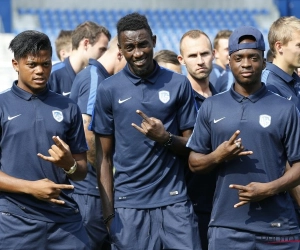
(154, 41)
(15, 65)
(264, 63)
(180, 59)
(278, 47)
(215, 53)
(86, 42)
(119, 56)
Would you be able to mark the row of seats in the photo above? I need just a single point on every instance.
(169, 25)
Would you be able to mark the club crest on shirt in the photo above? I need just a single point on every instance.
(265, 120)
(164, 96)
(57, 115)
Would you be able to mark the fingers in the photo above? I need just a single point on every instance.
(233, 137)
(241, 203)
(239, 187)
(138, 128)
(144, 116)
(243, 153)
(46, 158)
(64, 186)
(60, 143)
(56, 201)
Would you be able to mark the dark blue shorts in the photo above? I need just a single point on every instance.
(92, 217)
(170, 227)
(19, 233)
(230, 239)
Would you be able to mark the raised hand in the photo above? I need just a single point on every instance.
(152, 128)
(231, 148)
(60, 154)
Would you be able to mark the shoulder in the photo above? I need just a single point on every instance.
(58, 66)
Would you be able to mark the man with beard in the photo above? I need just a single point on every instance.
(248, 134)
(148, 196)
(197, 55)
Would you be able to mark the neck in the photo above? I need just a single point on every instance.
(201, 86)
(77, 62)
(107, 62)
(246, 90)
(220, 64)
(283, 65)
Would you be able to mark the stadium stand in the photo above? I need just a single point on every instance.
(168, 24)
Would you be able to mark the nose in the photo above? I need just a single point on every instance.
(246, 63)
(138, 52)
(39, 69)
(200, 59)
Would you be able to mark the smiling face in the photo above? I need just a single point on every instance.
(137, 48)
(34, 71)
(247, 65)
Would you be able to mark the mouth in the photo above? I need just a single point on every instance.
(140, 62)
(39, 80)
(247, 74)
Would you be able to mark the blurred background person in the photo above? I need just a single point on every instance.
(63, 44)
(89, 40)
(168, 59)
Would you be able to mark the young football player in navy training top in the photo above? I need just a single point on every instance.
(197, 55)
(248, 134)
(42, 147)
(280, 76)
(143, 118)
(89, 40)
(83, 91)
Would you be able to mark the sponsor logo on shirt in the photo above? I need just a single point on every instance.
(13, 117)
(66, 93)
(215, 121)
(124, 100)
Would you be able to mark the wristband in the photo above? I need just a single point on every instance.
(169, 141)
(72, 169)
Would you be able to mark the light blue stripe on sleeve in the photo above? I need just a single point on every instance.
(93, 90)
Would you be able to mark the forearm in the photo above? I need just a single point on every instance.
(13, 185)
(201, 163)
(287, 182)
(105, 177)
(90, 139)
(81, 170)
(177, 144)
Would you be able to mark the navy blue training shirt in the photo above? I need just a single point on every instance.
(216, 72)
(281, 83)
(148, 175)
(28, 123)
(201, 187)
(62, 77)
(84, 93)
(270, 127)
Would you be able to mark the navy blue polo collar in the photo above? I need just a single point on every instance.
(290, 79)
(26, 95)
(99, 66)
(253, 98)
(136, 79)
(201, 97)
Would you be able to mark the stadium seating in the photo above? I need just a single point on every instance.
(167, 24)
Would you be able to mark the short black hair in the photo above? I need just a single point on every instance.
(133, 21)
(29, 42)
